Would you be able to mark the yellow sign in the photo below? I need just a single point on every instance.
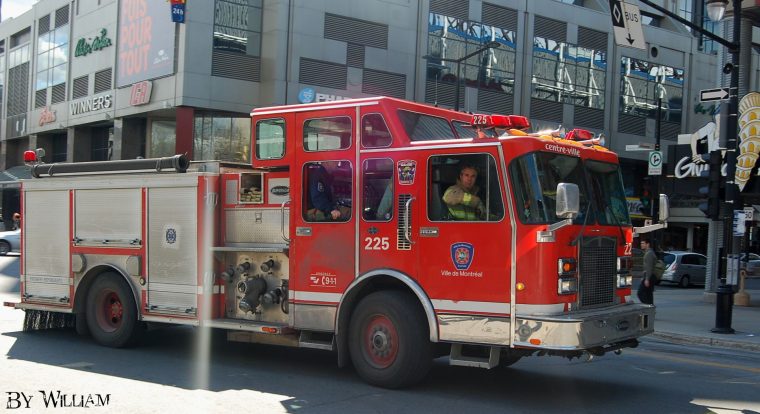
(749, 138)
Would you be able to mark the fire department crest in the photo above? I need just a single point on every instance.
(171, 236)
(406, 171)
(461, 255)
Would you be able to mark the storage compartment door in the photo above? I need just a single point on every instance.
(109, 217)
(173, 250)
(46, 246)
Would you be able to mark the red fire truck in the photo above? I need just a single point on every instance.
(341, 236)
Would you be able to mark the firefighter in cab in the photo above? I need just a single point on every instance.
(462, 199)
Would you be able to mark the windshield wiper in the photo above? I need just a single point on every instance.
(585, 219)
(617, 223)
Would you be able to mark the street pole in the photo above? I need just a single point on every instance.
(458, 85)
(656, 178)
(725, 292)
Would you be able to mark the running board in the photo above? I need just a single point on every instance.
(456, 358)
(269, 328)
(317, 340)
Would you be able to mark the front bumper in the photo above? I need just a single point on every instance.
(578, 331)
(586, 329)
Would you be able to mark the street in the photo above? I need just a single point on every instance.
(170, 372)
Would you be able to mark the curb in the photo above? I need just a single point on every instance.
(704, 340)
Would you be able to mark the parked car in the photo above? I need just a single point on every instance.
(684, 268)
(10, 241)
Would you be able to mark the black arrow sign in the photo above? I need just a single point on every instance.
(630, 39)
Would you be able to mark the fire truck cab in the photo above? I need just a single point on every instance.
(389, 231)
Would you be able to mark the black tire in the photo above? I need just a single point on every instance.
(684, 282)
(506, 360)
(389, 340)
(80, 324)
(5, 247)
(112, 313)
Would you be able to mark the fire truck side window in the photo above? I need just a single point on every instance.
(325, 134)
(327, 191)
(464, 188)
(375, 132)
(378, 197)
(464, 130)
(421, 127)
(270, 139)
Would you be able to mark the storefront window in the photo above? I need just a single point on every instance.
(224, 138)
(564, 72)
(163, 138)
(644, 82)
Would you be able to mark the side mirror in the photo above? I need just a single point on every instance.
(664, 208)
(568, 200)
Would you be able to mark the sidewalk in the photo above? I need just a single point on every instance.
(684, 316)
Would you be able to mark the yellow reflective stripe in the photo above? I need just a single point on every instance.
(467, 198)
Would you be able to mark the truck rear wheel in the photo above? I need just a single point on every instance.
(112, 313)
(388, 340)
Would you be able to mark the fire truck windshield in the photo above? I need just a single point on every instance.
(535, 177)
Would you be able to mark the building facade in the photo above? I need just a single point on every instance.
(116, 79)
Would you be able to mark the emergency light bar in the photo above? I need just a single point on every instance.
(578, 134)
(30, 156)
(499, 121)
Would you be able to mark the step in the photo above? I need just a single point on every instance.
(316, 340)
(456, 358)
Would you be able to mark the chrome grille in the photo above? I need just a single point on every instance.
(597, 272)
(402, 243)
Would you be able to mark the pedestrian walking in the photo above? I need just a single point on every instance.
(646, 288)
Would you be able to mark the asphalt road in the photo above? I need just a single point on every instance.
(170, 373)
(183, 369)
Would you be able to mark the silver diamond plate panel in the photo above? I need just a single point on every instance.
(255, 225)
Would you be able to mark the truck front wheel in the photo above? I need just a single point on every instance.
(388, 340)
(112, 313)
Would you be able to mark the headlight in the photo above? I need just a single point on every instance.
(567, 285)
(624, 281)
(624, 264)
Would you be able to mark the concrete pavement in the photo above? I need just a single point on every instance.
(684, 316)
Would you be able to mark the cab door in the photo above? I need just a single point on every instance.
(323, 245)
(466, 259)
(390, 202)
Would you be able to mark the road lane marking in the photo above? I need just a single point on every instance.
(696, 362)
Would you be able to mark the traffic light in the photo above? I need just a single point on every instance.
(712, 190)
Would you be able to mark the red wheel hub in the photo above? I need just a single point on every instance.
(112, 311)
(380, 341)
